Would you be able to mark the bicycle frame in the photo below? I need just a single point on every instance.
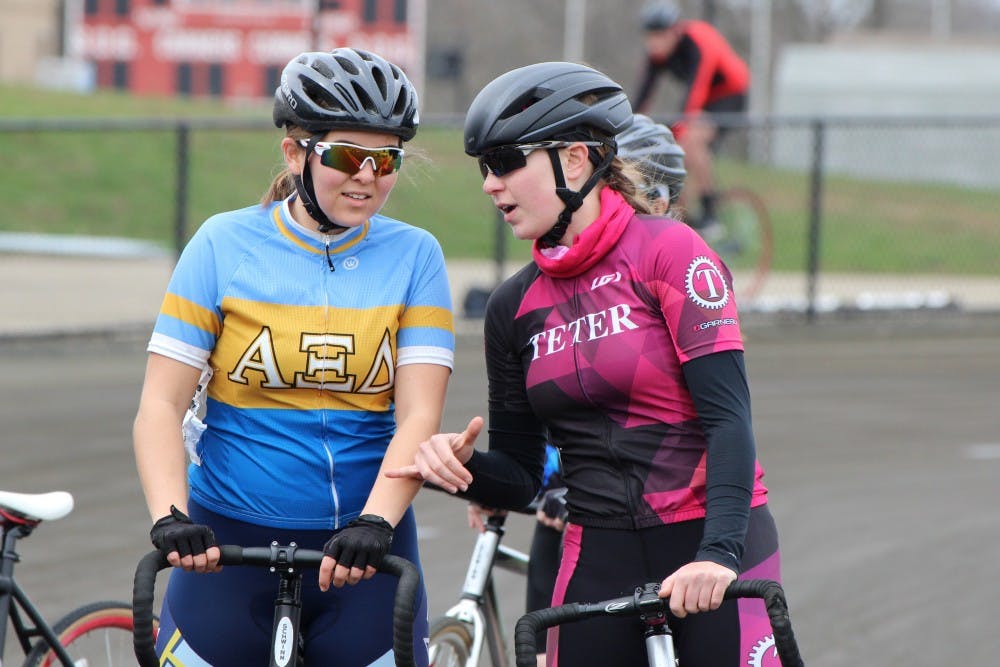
(13, 600)
(286, 562)
(11, 592)
(477, 605)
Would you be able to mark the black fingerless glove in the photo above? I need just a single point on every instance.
(176, 532)
(364, 541)
(553, 504)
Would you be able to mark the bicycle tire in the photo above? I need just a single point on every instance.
(99, 633)
(746, 243)
(450, 642)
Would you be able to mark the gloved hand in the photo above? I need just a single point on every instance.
(176, 532)
(364, 541)
(553, 505)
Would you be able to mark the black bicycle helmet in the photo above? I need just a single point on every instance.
(659, 16)
(652, 146)
(346, 89)
(552, 100)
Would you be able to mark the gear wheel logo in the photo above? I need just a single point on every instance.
(764, 654)
(705, 284)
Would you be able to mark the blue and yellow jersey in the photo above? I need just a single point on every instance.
(304, 333)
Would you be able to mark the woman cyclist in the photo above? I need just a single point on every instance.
(651, 148)
(621, 344)
(326, 331)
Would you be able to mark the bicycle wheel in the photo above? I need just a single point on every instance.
(745, 242)
(95, 635)
(450, 642)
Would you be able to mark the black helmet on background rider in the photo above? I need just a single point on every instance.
(652, 147)
(344, 89)
(659, 16)
(557, 102)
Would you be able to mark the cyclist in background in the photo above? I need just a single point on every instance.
(620, 344)
(654, 150)
(715, 79)
(326, 329)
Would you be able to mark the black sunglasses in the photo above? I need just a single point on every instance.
(505, 159)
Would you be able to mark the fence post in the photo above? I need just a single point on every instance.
(815, 217)
(181, 198)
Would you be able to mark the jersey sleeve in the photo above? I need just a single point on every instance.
(426, 328)
(695, 292)
(190, 317)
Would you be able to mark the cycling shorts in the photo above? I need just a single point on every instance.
(601, 563)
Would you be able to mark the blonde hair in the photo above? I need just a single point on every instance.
(624, 178)
(283, 184)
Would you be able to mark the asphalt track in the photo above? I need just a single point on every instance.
(881, 446)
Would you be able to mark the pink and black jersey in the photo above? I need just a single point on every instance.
(591, 344)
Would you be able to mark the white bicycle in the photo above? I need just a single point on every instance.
(459, 637)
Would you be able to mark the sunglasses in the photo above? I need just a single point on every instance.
(505, 159)
(350, 158)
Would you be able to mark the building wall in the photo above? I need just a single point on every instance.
(945, 85)
(28, 33)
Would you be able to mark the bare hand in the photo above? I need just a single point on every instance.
(441, 459)
(476, 514)
(697, 586)
(333, 573)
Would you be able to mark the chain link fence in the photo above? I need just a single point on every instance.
(838, 215)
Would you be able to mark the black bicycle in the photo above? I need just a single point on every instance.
(653, 612)
(286, 561)
(98, 633)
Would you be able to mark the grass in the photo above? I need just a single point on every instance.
(124, 183)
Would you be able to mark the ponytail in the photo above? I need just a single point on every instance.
(283, 184)
(622, 177)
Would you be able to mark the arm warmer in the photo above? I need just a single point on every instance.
(509, 475)
(718, 386)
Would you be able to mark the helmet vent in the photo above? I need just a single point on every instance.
(348, 65)
(520, 104)
(345, 95)
(364, 98)
(400, 107)
(322, 68)
(380, 81)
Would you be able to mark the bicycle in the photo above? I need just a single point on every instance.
(458, 636)
(285, 561)
(98, 633)
(743, 238)
(653, 614)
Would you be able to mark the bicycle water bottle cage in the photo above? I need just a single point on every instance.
(649, 605)
(283, 557)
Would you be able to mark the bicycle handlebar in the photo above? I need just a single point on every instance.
(769, 591)
(403, 614)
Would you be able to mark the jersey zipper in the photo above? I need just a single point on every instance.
(612, 451)
(325, 287)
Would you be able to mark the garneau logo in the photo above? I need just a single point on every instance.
(713, 323)
(591, 326)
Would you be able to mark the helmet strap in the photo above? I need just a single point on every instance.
(572, 199)
(307, 193)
